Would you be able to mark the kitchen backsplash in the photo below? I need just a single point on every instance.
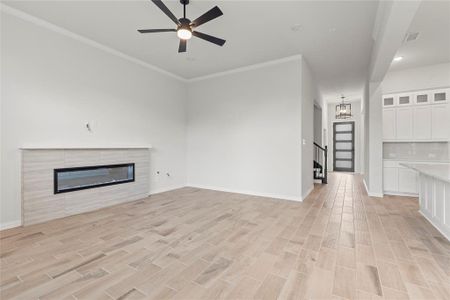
(436, 151)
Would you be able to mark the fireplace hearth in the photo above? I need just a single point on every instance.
(61, 182)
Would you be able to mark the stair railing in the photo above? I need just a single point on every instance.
(321, 156)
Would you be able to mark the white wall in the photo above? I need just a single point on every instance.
(375, 159)
(53, 84)
(318, 136)
(392, 22)
(244, 131)
(309, 94)
(356, 117)
(427, 77)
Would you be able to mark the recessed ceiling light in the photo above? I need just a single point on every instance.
(398, 58)
(296, 27)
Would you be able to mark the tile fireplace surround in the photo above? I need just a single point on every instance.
(40, 204)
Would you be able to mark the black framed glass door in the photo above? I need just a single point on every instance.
(344, 146)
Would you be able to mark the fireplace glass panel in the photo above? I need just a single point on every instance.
(72, 179)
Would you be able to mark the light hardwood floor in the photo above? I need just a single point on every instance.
(202, 244)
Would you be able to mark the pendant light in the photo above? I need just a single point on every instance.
(343, 110)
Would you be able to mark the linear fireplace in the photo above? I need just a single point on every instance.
(80, 178)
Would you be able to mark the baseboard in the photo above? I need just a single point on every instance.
(166, 189)
(365, 186)
(9, 225)
(377, 195)
(401, 194)
(311, 188)
(251, 193)
(371, 194)
(445, 234)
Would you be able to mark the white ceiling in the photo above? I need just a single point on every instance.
(432, 46)
(335, 36)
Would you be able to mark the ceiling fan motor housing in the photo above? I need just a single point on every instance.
(184, 23)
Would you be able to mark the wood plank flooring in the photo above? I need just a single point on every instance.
(202, 244)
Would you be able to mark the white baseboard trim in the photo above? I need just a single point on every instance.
(311, 188)
(166, 189)
(365, 186)
(377, 195)
(445, 234)
(371, 194)
(9, 225)
(251, 193)
(401, 194)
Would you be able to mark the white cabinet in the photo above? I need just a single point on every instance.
(390, 179)
(404, 123)
(389, 124)
(389, 101)
(404, 99)
(407, 181)
(440, 125)
(440, 96)
(422, 98)
(418, 116)
(399, 180)
(422, 123)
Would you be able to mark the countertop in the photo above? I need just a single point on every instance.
(438, 171)
(421, 161)
(100, 147)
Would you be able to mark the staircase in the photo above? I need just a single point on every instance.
(320, 164)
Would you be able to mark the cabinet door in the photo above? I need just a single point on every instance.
(407, 181)
(422, 123)
(390, 179)
(422, 98)
(440, 122)
(389, 124)
(404, 123)
(389, 100)
(440, 96)
(404, 99)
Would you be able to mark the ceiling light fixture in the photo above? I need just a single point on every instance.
(343, 110)
(187, 28)
(398, 58)
(184, 34)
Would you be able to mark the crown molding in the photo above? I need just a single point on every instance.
(45, 24)
(58, 29)
(248, 68)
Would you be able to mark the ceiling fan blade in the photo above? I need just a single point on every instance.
(209, 38)
(182, 46)
(156, 30)
(207, 16)
(164, 8)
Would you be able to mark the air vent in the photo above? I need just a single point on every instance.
(412, 36)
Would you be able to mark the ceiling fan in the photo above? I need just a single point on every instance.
(185, 27)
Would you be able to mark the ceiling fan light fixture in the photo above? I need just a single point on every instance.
(185, 27)
(184, 34)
